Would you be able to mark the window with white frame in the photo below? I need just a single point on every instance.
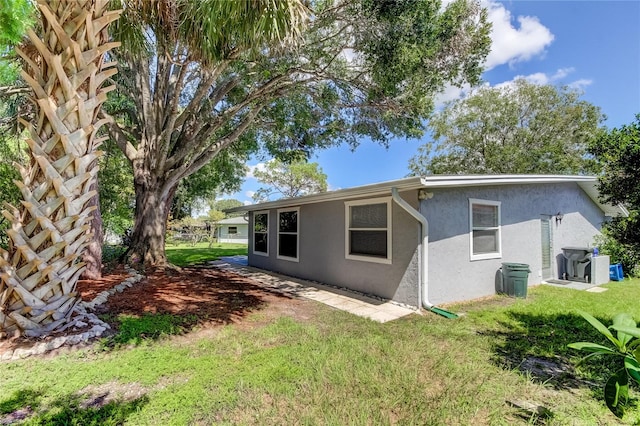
(261, 233)
(233, 230)
(484, 224)
(288, 225)
(368, 230)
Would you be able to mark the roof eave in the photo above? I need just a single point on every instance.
(587, 183)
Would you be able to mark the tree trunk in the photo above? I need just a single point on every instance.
(153, 203)
(92, 256)
(39, 273)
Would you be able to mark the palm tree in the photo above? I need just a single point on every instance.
(65, 70)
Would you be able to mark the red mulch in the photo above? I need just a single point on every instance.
(206, 297)
(210, 295)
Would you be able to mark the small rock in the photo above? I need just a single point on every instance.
(55, 343)
(21, 353)
(39, 349)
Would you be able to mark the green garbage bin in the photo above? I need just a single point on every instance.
(515, 277)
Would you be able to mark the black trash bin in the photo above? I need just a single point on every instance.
(515, 278)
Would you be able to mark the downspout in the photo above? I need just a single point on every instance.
(423, 277)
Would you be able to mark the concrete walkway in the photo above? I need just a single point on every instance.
(354, 303)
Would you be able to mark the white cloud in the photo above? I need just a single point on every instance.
(543, 78)
(510, 44)
(580, 84)
(451, 93)
(251, 169)
(249, 194)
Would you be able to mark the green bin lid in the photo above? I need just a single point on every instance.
(510, 265)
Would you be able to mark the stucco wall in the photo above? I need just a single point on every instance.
(241, 237)
(321, 255)
(454, 277)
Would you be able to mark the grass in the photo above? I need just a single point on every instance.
(188, 255)
(335, 368)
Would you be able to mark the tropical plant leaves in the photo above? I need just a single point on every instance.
(621, 322)
(591, 347)
(633, 368)
(616, 389)
(600, 327)
(616, 392)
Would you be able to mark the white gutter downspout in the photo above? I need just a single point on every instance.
(423, 285)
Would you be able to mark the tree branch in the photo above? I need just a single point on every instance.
(119, 137)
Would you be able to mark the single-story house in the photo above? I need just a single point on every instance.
(233, 230)
(429, 240)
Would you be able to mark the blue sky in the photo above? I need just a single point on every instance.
(591, 45)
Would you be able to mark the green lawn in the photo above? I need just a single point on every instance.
(186, 254)
(337, 369)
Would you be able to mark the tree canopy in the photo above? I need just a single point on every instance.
(205, 80)
(519, 128)
(287, 180)
(617, 151)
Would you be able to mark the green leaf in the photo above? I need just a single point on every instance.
(600, 327)
(616, 392)
(621, 322)
(591, 347)
(633, 368)
(633, 331)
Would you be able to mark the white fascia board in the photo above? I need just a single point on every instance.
(587, 183)
(373, 190)
(444, 181)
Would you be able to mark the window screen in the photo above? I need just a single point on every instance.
(368, 230)
(485, 229)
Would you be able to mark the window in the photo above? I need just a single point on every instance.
(288, 234)
(368, 230)
(261, 233)
(233, 230)
(484, 221)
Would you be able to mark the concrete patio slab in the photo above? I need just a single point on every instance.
(597, 289)
(352, 302)
(575, 285)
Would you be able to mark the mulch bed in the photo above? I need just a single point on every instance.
(207, 297)
(212, 295)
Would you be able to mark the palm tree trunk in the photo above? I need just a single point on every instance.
(49, 232)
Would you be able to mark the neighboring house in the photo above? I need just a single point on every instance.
(430, 240)
(233, 230)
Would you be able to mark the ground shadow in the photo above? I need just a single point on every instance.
(73, 409)
(537, 346)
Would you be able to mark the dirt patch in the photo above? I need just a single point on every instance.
(101, 395)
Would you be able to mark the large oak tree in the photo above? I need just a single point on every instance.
(207, 79)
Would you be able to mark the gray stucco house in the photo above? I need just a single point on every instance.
(430, 240)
